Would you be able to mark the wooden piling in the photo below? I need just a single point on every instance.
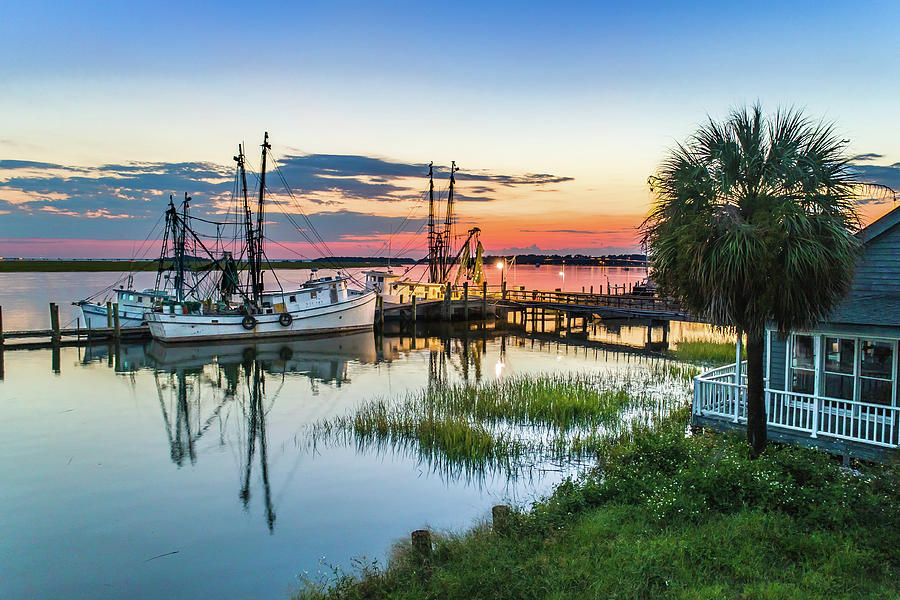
(484, 300)
(116, 330)
(109, 315)
(1, 326)
(446, 307)
(503, 290)
(54, 323)
(412, 314)
(421, 543)
(379, 305)
(466, 301)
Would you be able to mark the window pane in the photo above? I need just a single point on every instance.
(875, 390)
(839, 386)
(803, 352)
(876, 359)
(803, 381)
(839, 355)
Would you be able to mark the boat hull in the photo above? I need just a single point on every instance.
(95, 316)
(354, 314)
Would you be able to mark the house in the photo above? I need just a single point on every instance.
(834, 387)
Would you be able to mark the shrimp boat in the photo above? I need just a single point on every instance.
(133, 306)
(243, 309)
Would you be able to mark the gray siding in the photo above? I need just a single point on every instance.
(879, 268)
(777, 363)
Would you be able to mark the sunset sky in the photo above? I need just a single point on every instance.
(556, 113)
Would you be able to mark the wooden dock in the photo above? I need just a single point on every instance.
(71, 336)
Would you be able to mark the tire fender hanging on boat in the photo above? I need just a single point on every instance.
(249, 322)
(285, 319)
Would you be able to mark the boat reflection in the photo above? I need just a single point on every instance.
(217, 386)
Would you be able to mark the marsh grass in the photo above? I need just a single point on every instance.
(669, 515)
(706, 352)
(512, 425)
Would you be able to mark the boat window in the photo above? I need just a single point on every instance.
(312, 294)
(293, 298)
(131, 297)
(334, 295)
(876, 369)
(803, 361)
(267, 304)
(839, 357)
(140, 298)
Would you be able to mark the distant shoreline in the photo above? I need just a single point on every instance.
(122, 266)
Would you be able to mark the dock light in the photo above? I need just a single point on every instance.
(562, 273)
(499, 265)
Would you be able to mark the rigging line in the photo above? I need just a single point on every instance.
(297, 204)
(289, 249)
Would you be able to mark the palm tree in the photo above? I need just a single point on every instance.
(753, 222)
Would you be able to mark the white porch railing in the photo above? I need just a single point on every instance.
(717, 395)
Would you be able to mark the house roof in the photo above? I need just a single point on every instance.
(879, 226)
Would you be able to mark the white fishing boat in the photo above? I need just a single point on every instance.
(323, 305)
(133, 306)
(244, 309)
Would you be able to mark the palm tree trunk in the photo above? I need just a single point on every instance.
(756, 407)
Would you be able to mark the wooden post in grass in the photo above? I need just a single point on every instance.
(421, 543)
(54, 323)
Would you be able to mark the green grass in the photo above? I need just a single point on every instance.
(706, 352)
(512, 424)
(665, 515)
(121, 266)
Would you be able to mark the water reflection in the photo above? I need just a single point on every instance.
(202, 387)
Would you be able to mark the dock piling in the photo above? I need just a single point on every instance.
(412, 314)
(484, 300)
(109, 316)
(116, 330)
(54, 323)
(421, 543)
(465, 300)
(1, 326)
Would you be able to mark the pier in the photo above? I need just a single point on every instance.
(70, 336)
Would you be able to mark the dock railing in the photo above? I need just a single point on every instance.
(719, 396)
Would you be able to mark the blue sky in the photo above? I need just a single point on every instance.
(590, 93)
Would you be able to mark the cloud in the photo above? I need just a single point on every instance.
(867, 156)
(342, 194)
(886, 175)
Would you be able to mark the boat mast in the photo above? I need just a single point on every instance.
(260, 220)
(179, 250)
(432, 243)
(447, 241)
(248, 222)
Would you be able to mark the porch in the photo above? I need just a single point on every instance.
(848, 427)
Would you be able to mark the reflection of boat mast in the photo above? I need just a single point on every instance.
(256, 428)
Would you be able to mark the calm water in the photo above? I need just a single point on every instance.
(187, 471)
(24, 297)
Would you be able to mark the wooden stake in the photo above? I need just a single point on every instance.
(465, 300)
(116, 331)
(109, 316)
(54, 322)
(421, 543)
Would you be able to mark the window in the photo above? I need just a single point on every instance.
(312, 294)
(803, 364)
(131, 297)
(876, 369)
(293, 298)
(839, 359)
(267, 304)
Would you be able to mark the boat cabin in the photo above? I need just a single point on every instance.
(311, 294)
(835, 386)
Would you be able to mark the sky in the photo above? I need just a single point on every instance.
(556, 113)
